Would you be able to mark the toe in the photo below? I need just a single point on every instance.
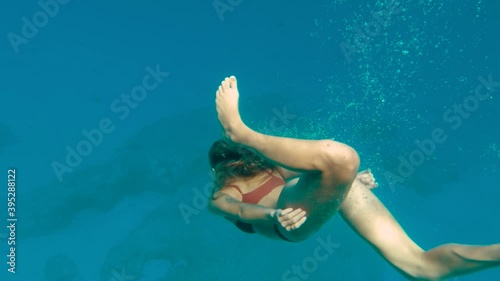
(234, 83)
(225, 83)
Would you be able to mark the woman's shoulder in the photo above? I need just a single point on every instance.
(230, 190)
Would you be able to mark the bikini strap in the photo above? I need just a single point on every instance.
(237, 188)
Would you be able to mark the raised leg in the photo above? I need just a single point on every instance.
(371, 220)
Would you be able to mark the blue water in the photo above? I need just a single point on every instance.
(378, 76)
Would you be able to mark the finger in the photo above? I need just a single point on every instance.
(294, 213)
(299, 223)
(286, 216)
(285, 211)
(296, 225)
(293, 220)
(299, 216)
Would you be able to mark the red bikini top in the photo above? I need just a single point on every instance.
(254, 196)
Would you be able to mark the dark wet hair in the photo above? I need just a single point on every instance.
(231, 161)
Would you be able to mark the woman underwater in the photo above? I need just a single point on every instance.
(285, 188)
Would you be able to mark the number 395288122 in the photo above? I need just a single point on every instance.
(11, 221)
(11, 195)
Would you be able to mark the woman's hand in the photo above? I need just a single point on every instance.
(289, 218)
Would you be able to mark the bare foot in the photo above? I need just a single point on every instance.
(367, 179)
(226, 103)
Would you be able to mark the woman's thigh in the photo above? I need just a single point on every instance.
(320, 203)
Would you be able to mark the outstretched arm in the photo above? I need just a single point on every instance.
(227, 206)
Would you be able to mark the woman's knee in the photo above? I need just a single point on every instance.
(416, 266)
(341, 161)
